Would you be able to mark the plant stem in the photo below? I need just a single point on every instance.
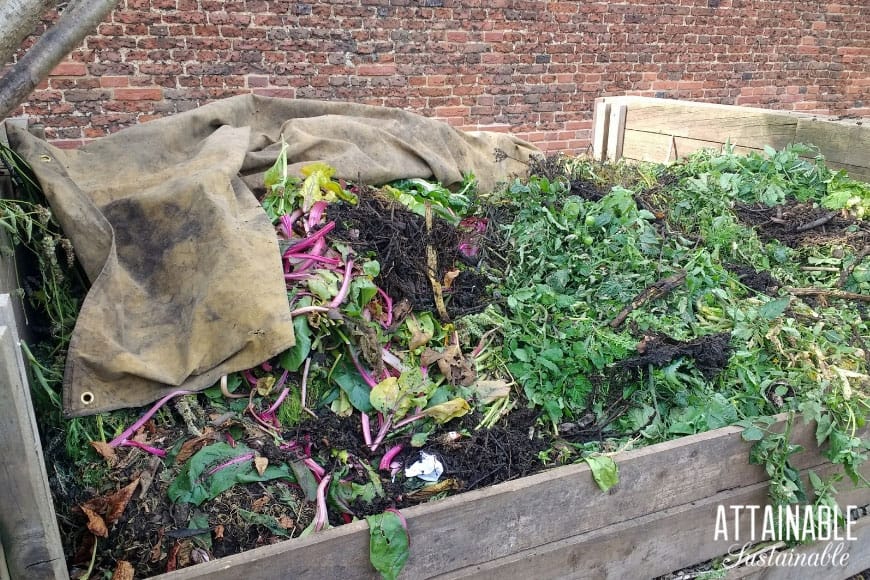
(144, 419)
(345, 286)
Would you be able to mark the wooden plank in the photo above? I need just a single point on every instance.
(615, 131)
(645, 547)
(4, 571)
(660, 148)
(746, 126)
(28, 528)
(483, 525)
(839, 143)
(858, 560)
(600, 128)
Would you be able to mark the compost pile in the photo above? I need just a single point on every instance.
(448, 340)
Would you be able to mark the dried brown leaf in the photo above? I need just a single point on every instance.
(96, 524)
(219, 532)
(112, 506)
(172, 560)
(286, 522)
(106, 451)
(157, 550)
(261, 463)
(430, 356)
(259, 503)
(191, 446)
(123, 571)
(449, 277)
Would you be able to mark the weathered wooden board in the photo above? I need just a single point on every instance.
(646, 547)
(28, 528)
(600, 124)
(661, 130)
(615, 131)
(744, 126)
(846, 146)
(484, 525)
(659, 148)
(858, 561)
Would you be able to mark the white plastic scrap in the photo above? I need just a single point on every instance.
(427, 468)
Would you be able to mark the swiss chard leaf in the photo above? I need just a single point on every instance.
(389, 544)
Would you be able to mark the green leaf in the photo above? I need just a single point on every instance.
(389, 544)
(752, 433)
(774, 308)
(293, 357)
(353, 385)
(604, 470)
(265, 520)
(371, 268)
(196, 483)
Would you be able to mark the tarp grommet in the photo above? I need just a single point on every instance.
(87, 398)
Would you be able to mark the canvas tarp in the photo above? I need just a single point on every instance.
(186, 276)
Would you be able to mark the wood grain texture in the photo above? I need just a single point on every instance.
(659, 130)
(28, 528)
(600, 124)
(651, 545)
(843, 144)
(615, 131)
(497, 522)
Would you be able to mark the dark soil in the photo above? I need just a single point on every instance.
(710, 353)
(155, 535)
(798, 224)
(397, 238)
(761, 282)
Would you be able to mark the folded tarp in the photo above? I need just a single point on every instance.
(185, 271)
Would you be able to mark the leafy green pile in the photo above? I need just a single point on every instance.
(575, 263)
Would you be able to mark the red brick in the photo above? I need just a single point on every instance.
(69, 69)
(107, 82)
(138, 94)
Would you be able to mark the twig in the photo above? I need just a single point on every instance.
(819, 269)
(817, 222)
(304, 389)
(829, 293)
(844, 275)
(656, 290)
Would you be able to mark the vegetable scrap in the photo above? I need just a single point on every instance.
(449, 339)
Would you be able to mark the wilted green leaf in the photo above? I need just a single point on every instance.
(196, 484)
(604, 471)
(774, 308)
(389, 545)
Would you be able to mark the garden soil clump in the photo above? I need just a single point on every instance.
(796, 224)
(398, 240)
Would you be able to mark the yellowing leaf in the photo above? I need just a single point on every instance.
(265, 385)
(488, 391)
(317, 177)
(385, 395)
(450, 410)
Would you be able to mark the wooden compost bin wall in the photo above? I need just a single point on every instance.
(661, 130)
(556, 524)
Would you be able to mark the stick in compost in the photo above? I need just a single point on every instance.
(827, 293)
(652, 292)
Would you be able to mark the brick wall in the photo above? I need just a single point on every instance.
(532, 67)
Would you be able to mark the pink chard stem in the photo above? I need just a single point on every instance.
(144, 419)
(345, 286)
